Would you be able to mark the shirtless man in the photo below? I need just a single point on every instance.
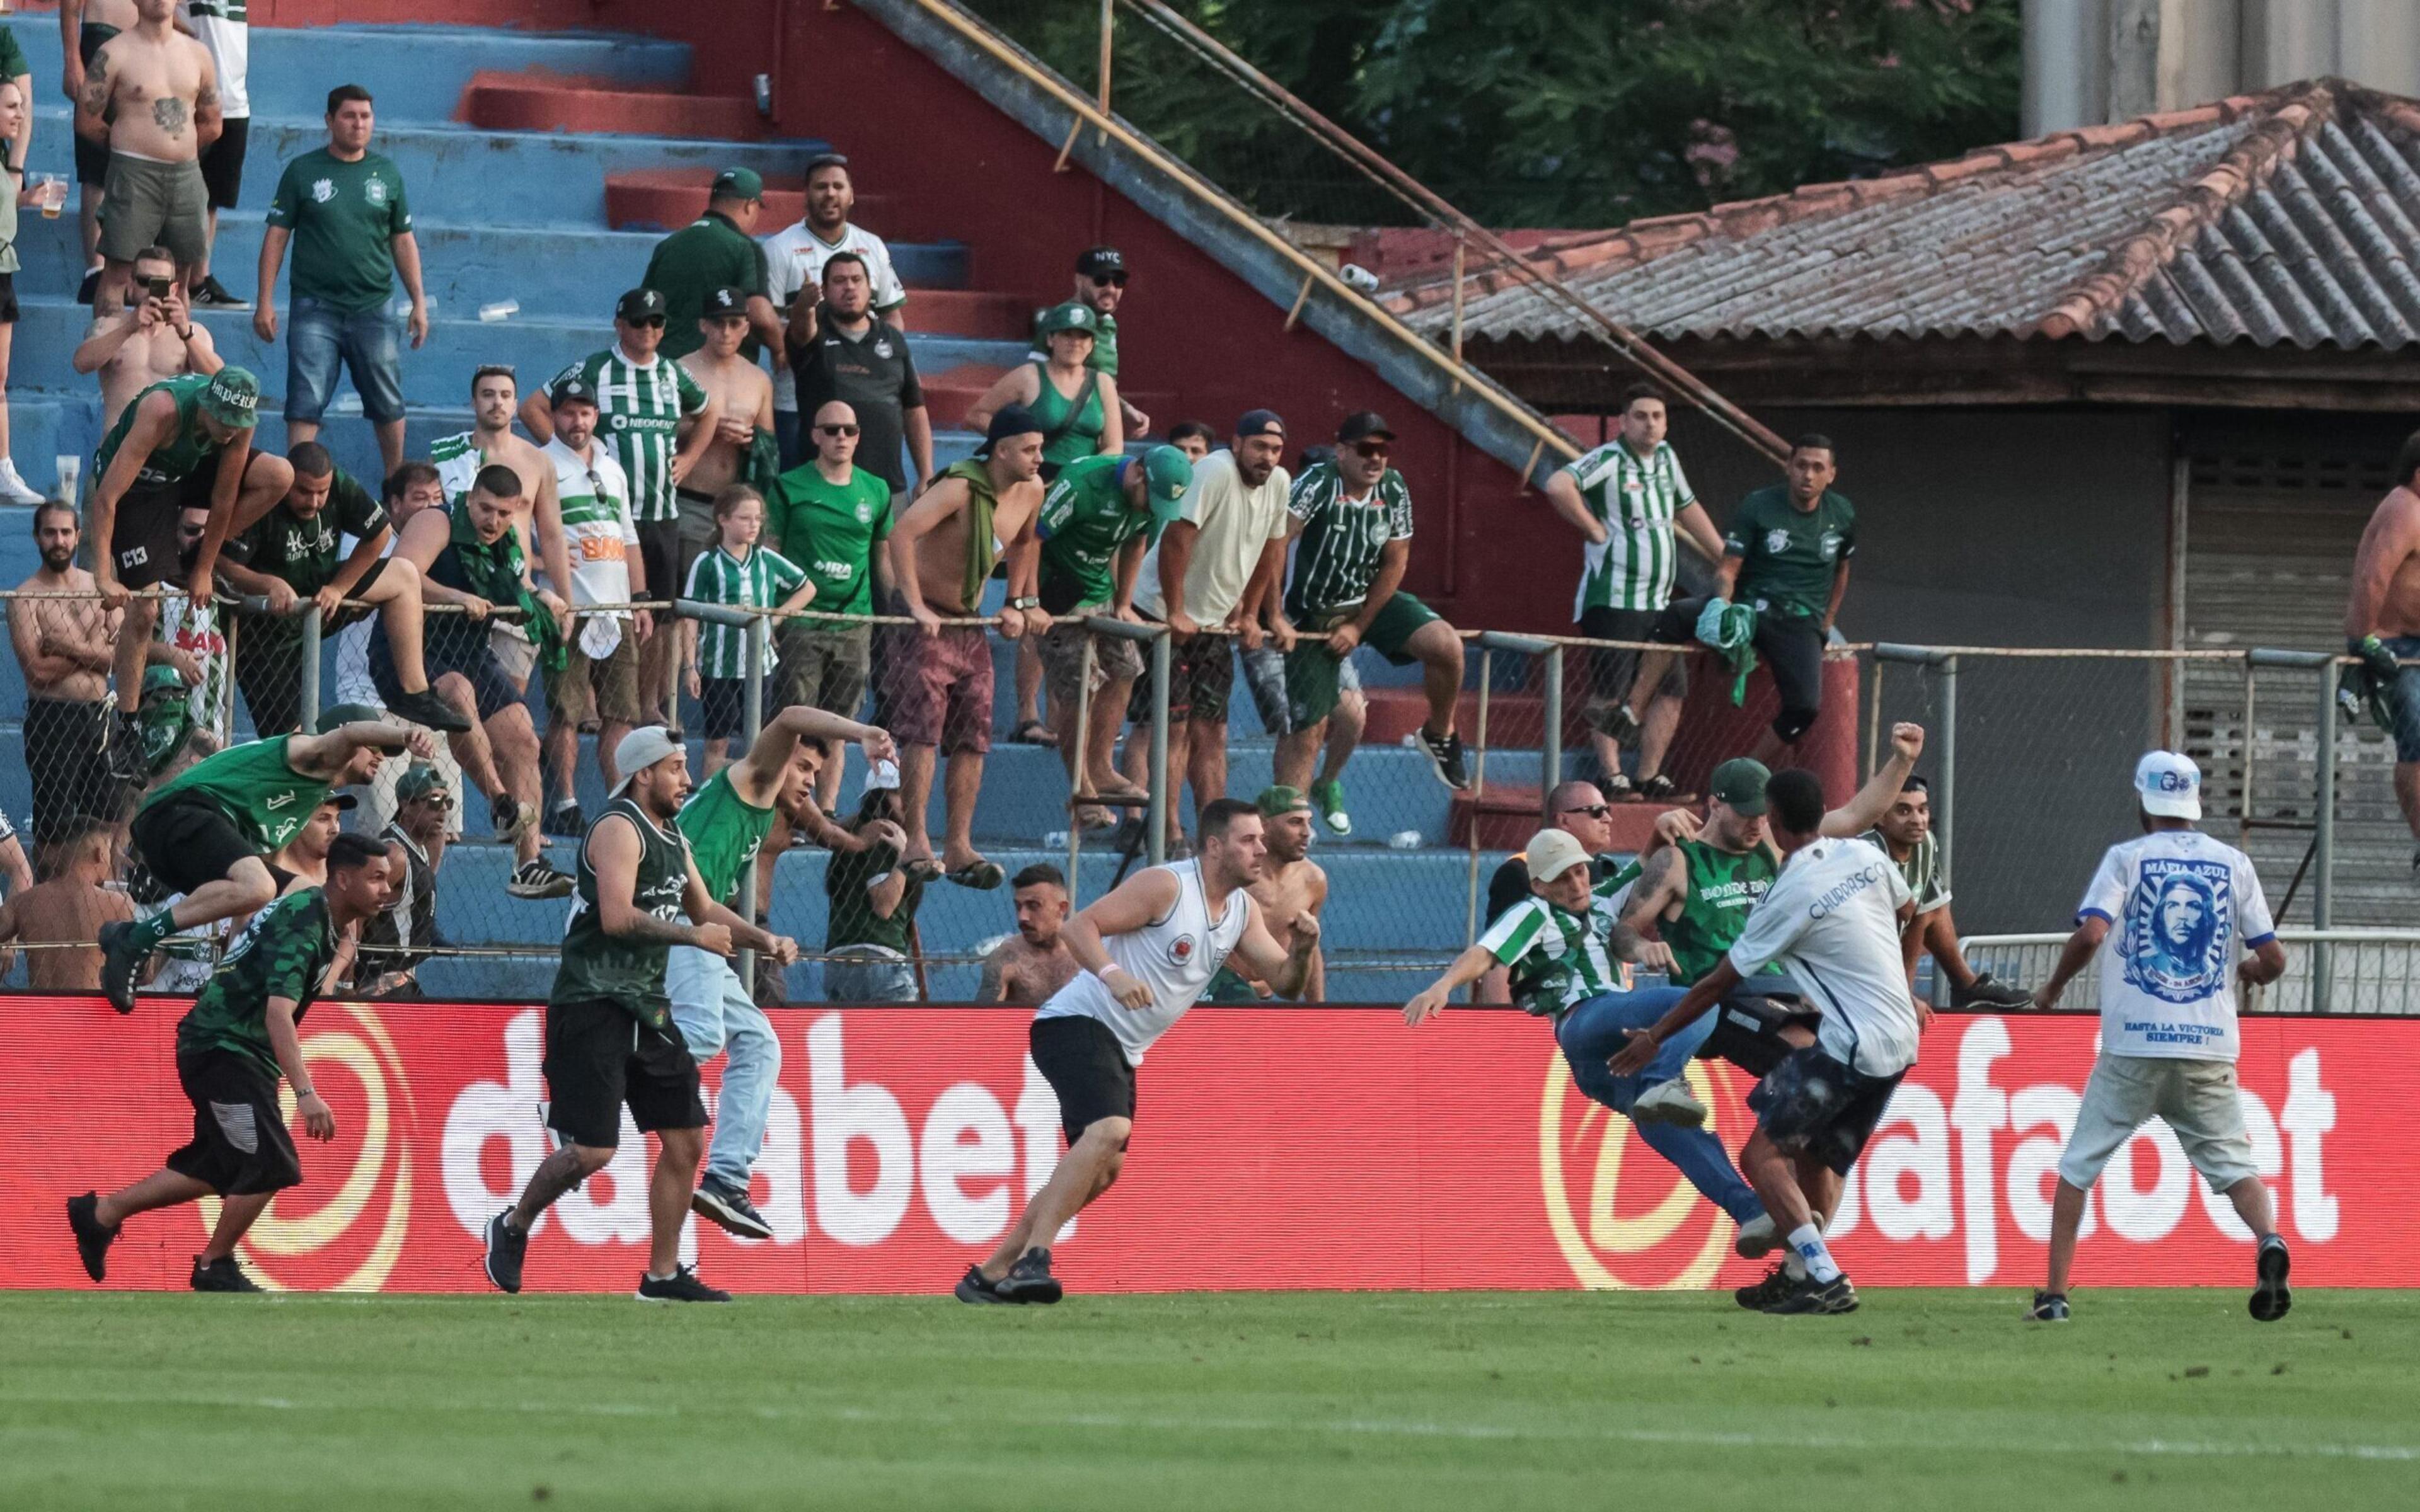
(742, 398)
(944, 700)
(1032, 964)
(65, 647)
(158, 338)
(84, 26)
(459, 458)
(152, 93)
(1291, 886)
(2383, 623)
(70, 906)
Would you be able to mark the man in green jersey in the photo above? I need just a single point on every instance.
(208, 831)
(832, 518)
(1905, 835)
(183, 441)
(1353, 519)
(1096, 521)
(610, 1036)
(240, 1036)
(725, 824)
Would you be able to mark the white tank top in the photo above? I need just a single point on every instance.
(1175, 956)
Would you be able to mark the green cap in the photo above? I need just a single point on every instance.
(1166, 472)
(1739, 783)
(232, 397)
(1279, 799)
(161, 680)
(418, 781)
(345, 713)
(1069, 317)
(738, 183)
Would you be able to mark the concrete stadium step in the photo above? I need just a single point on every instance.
(418, 74)
(499, 101)
(1506, 816)
(1512, 719)
(662, 199)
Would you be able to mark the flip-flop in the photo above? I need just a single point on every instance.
(1093, 819)
(923, 869)
(983, 876)
(1034, 733)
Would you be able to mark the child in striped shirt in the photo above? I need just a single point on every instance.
(739, 573)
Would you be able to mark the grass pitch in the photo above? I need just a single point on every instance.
(1923, 1399)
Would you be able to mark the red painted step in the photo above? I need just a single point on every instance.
(663, 199)
(499, 101)
(964, 312)
(1516, 719)
(1506, 816)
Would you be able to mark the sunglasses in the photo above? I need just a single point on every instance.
(1595, 811)
(655, 320)
(836, 430)
(1108, 280)
(1370, 449)
(438, 801)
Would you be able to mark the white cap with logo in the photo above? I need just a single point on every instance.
(2169, 786)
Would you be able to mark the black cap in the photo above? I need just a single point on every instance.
(571, 390)
(637, 303)
(1095, 261)
(724, 302)
(1261, 422)
(1012, 420)
(1363, 423)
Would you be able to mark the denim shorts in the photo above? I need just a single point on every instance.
(2403, 698)
(369, 343)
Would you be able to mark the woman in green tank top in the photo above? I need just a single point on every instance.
(1076, 407)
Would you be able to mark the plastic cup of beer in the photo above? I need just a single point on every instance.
(51, 193)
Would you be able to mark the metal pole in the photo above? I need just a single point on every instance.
(1551, 758)
(1081, 765)
(310, 696)
(1471, 811)
(753, 725)
(1156, 840)
(1945, 783)
(2323, 850)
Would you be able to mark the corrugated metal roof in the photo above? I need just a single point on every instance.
(2290, 216)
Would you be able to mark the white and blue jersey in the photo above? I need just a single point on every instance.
(2181, 908)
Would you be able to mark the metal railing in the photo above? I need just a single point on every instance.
(2367, 971)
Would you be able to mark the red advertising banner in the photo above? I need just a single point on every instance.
(1274, 1147)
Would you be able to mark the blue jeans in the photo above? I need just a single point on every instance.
(1591, 1034)
(368, 344)
(714, 1012)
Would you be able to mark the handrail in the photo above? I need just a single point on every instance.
(1378, 168)
(979, 33)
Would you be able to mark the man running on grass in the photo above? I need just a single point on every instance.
(725, 824)
(610, 1036)
(232, 1045)
(1833, 921)
(2174, 908)
(1149, 950)
(207, 832)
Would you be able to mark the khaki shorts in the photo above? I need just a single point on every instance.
(587, 689)
(147, 203)
(1116, 660)
(823, 669)
(2196, 1098)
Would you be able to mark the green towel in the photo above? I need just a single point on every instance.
(763, 464)
(1730, 630)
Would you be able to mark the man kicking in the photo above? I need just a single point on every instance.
(1832, 919)
(2174, 909)
(610, 1036)
(725, 824)
(1560, 946)
(1148, 950)
(208, 831)
(232, 1045)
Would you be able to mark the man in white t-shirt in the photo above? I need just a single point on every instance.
(600, 680)
(793, 264)
(2176, 911)
(1835, 920)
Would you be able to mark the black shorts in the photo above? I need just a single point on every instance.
(659, 552)
(188, 843)
(447, 648)
(724, 701)
(8, 311)
(241, 1146)
(143, 533)
(1086, 1066)
(1812, 1104)
(91, 158)
(1200, 680)
(600, 1058)
(223, 164)
(1748, 1030)
(1611, 671)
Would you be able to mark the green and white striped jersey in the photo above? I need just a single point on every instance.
(716, 577)
(639, 408)
(1556, 959)
(1637, 501)
(1341, 538)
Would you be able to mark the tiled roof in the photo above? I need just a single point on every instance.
(2289, 216)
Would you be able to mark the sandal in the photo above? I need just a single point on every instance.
(1034, 733)
(923, 869)
(983, 876)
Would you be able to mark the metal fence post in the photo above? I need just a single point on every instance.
(753, 725)
(2324, 842)
(1944, 819)
(1551, 758)
(1082, 765)
(1478, 792)
(310, 669)
(1157, 637)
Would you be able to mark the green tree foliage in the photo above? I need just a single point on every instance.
(1559, 112)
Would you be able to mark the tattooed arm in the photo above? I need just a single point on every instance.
(92, 101)
(208, 121)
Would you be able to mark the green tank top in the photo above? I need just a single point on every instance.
(629, 974)
(724, 832)
(1723, 885)
(1072, 427)
(182, 455)
(252, 786)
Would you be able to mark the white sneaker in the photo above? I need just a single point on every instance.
(13, 488)
(1756, 1238)
(1668, 1102)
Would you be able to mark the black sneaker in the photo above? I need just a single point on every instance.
(509, 818)
(1029, 1279)
(1985, 993)
(429, 707)
(222, 1275)
(507, 1247)
(212, 295)
(1811, 1296)
(681, 1286)
(976, 1287)
(121, 964)
(1777, 1284)
(2048, 1307)
(89, 288)
(729, 1209)
(565, 819)
(536, 879)
(92, 1239)
(1445, 754)
(2272, 1296)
